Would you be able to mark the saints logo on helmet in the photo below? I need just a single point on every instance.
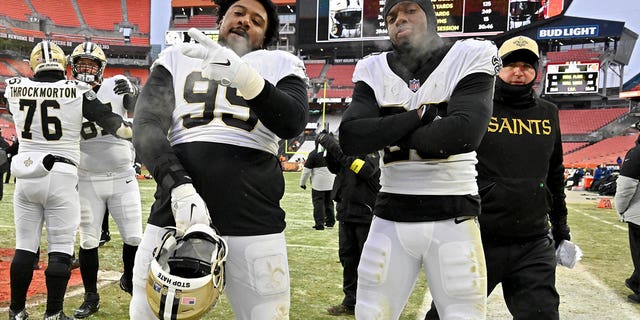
(186, 276)
(47, 56)
(88, 62)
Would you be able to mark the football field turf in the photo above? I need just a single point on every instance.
(316, 274)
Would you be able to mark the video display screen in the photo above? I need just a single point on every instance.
(572, 78)
(345, 21)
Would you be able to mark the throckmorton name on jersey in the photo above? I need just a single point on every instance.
(36, 92)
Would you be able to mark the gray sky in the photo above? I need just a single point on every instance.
(616, 10)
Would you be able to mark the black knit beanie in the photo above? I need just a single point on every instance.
(426, 6)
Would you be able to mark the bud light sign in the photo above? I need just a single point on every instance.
(568, 32)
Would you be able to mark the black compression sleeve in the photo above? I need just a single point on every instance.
(153, 118)
(284, 108)
(461, 130)
(100, 113)
(129, 102)
(363, 130)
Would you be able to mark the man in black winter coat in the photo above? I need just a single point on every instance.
(520, 181)
(627, 199)
(354, 190)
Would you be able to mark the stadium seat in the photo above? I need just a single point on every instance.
(62, 14)
(585, 121)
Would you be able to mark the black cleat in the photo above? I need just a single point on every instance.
(629, 285)
(126, 284)
(22, 315)
(58, 316)
(90, 305)
(340, 310)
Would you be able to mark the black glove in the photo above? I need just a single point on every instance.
(303, 187)
(429, 113)
(330, 143)
(322, 137)
(124, 86)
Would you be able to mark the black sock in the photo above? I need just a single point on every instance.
(105, 222)
(128, 258)
(89, 265)
(57, 277)
(20, 276)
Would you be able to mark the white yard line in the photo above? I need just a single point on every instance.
(617, 226)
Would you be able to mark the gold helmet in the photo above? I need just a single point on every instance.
(186, 276)
(47, 56)
(85, 72)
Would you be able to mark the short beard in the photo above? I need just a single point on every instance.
(239, 47)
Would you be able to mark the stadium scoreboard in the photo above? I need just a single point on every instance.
(344, 24)
(572, 78)
(356, 20)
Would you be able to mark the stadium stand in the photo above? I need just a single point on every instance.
(138, 13)
(16, 9)
(603, 152)
(5, 71)
(191, 3)
(568, 147)
(335, 93)
(341, 74)
(198, 21)
(314, 70)
(141, 74)
(28, 32)
(21, 66)
(62, 14)
(587, 120)
(101, 15)
(573, 55)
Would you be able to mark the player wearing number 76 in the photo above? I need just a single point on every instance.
(48, 111)
(209, 118)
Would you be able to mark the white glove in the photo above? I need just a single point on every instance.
(223, 65)
(568, 253)
(188, 207)
(124, 132)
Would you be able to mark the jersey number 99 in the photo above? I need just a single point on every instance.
(208, 99)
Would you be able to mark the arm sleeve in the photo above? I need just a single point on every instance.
(461, 130)
(95, 110)
(333, 164)
(129, 102)
(363, 130)
(306, 173)
(627, 182)
(153, 118)
(361, 165)
(283, 108)
(625, 190)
